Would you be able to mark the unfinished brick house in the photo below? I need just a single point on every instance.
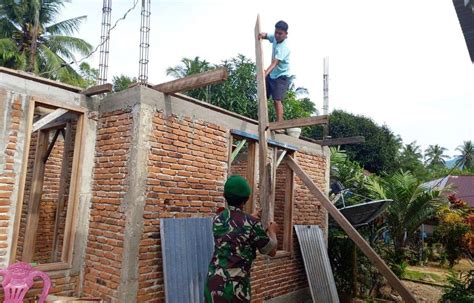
(82, 195)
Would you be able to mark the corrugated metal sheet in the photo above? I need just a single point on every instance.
(316, 262)
(187, 246)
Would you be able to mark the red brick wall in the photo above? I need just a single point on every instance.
(280, 192)
(47, 208)
(107, 219)
(186, 171)
(63, 283)
(7, 173)
(239, 166)
(285, 274)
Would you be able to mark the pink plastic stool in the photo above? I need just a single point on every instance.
(18, 279)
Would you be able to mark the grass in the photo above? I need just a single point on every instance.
(423, 276)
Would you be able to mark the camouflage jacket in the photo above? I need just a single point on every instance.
(237, 236)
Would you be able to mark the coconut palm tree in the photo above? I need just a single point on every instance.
(31, 39)
(434, 155)
(466, 156)
(412, 205)
(188, 67)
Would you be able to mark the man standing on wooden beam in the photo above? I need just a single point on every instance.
(277, 75)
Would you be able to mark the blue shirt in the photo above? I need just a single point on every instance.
(281, 52)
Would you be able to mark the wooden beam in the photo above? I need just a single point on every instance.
(252, 169)
(237, 150)
(299, 122)
(97, 89)
(352, 232)
(51, 145)
(36, 192)
(340, 141)
(54, 125)
(22, 184)
(48, 118)
(280, 158)
(263, 163)
(194, 81)
(62, 189)
(288, 211)
(73, 196)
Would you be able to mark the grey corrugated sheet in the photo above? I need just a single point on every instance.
(187, 246)
(316, 262)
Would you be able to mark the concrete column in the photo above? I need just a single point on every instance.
(134, 202)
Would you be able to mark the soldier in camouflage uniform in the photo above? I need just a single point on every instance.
(237, 236)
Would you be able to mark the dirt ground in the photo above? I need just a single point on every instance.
(423, 292)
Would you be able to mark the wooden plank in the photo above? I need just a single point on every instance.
(51, 145)
(194, 81)
(97, 89)
(57, 104)
(288, 211)
(237, 150)
(299, 122)
(62, 189)
(263, 163)
(251, 205)
(340, 141)
(54, 125)
(35, 197)
(280, 158)
(21, 189)
(48, 118)
(73, 197)
(351, 232)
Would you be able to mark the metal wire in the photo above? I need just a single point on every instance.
(105, 41)
(144, 42)
(97, 47)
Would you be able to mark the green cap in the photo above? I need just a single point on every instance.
(236, 187)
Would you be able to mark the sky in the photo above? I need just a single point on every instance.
(402, 63)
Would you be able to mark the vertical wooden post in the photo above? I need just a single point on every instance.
(288, 211)
(251, 170)
(72, 205)
(263, 163)
(36, 192)
(62, 189)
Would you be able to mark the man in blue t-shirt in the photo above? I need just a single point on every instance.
(277, 75)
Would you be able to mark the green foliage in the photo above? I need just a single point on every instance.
(466, 156)
(293, 107)
(460, 290)
(452, 232)
(350, 174)
(88, 75)
(122, 82)
(412, 205)
(189, 67)
(379, 152)
(239, 92)
(411, 160)
(354, 274)
(434, 155)
(48, 54)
